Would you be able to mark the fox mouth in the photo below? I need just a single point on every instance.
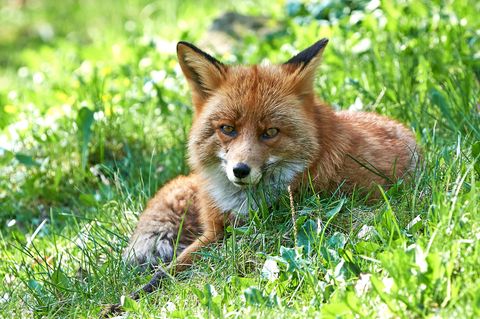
(242, 184)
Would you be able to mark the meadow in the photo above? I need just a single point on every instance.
(94, 118)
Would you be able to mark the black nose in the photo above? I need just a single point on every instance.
(241, 170)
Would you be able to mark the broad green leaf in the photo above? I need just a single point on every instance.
(208, 298)
(254, 296)
(59, 279)
(26, 160)
(6, 156)
(241, 282)
(338, 240)
(130, 305)
(307, 235)
(291, 256)
(367, 247)
(331, 213)
(336, 310)
(198, 293)
(36, 287)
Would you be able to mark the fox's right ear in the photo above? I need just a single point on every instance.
(303, 66)
(203, 72)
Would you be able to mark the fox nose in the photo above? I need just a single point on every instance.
(241, 170)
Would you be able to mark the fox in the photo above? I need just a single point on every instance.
(261, 128)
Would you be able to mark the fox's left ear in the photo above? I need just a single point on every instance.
(303, 66)
(204, 73)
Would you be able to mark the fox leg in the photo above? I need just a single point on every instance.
(169, 224)
(183, 261)
(213, 223)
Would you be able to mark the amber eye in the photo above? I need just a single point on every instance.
(228, 130)
(270, 133)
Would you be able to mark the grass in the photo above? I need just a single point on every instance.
(94, 116)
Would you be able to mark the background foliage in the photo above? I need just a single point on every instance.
(94, 115)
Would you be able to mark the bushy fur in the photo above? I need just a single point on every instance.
(354, 150)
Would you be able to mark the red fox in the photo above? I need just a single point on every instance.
(260, 128)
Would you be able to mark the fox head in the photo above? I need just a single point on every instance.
(252, 124)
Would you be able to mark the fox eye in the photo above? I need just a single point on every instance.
(270, 133)
(228, 130)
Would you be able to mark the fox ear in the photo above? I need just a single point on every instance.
(203, 72)
(303, 66)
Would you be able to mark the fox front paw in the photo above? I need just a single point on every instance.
(150, 248)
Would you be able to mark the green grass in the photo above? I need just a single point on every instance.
(94, 116)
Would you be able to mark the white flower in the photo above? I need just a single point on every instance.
(363, 284)
(414, 222)
(5, 298)
(366, 232)
(420, 259)
(357, 105)
(38, 78)
(158, 76)
(270, 270)
(85, 69)
(145, 63)
(362, 46)
(388, 283)
(170, 306)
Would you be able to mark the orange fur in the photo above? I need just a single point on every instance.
(262, 121)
